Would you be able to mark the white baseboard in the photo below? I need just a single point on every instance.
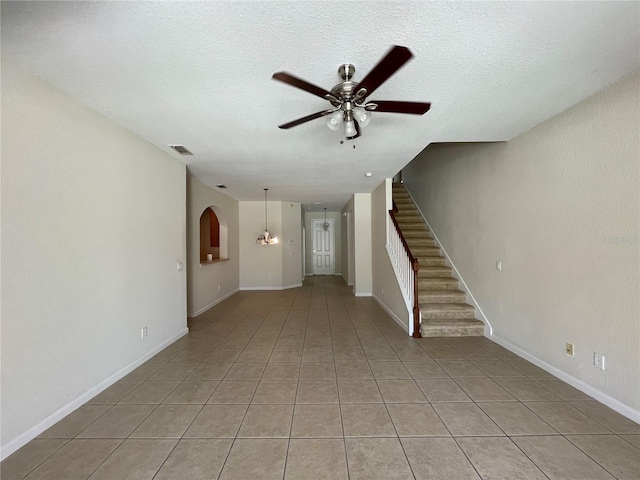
(285, 287)
(364, 294)
(622, 408)
(211, 305)
(397, 319)
(24, 438)
(487, 325)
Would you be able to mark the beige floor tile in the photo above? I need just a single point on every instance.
(376, 459)
(353, 371)
(466, 419)
(499, 459)
(528, 368)
(275, 391)
(438, 458)
(281, 371)
(152, 392)
(316, 421)
(245, 371)
(400, 391)
(118, 422)
(273, 421)
(367, 420)
(317, 391)
(558, 458)
(167, 421)
(564, 418)
(210, 371)
(313, 354)
(255, 355)
(76, 460)
(496, 368)
(443, 352)
(174, 371)
(359, 391)
(442, 390)
(316, 459)
(75, 422)
(382, 354)
(196, 356)
(562, 389)
(317, 342)
(196, 392)
(135, 459)
(412, 354)
(614, 454)
(222, 356)
(430, 369)
(144, 371)
(347, 355)
(317, 371)
(526, 389)
(483, 389)
(607, 417)
(195, 459)
(416, 420)
(632, 439)
(516, 419)
(217, 421)
(256, 459)
(234, 391)
(389, 370)
(286, 355)
(114, 393)
(460, 368)
(20, 463)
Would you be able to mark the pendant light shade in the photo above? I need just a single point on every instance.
(325, 225)
(266, 238)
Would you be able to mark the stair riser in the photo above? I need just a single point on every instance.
(442, 313)
(444, 297)
(412, 227)
(437, 286)
(446, 331)
(426, 272)
(407, 217)
(421, 234)
(425, 251)
(417, 243)
(431, 262)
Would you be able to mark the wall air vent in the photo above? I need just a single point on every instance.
(221, 186)
(181, 149)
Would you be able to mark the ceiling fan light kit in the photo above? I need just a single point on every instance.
(266, 238)
(351, 110)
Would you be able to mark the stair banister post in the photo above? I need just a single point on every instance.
(416, 309)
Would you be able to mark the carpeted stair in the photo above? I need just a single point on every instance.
(445, 312)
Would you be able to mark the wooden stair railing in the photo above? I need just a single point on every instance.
(415, 266)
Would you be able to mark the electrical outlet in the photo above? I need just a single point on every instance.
(499, 266)
(598, 360)
(179, 265)
(218, 287)
(568, 349)
(144, 332)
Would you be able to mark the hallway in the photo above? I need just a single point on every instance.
(314, 383)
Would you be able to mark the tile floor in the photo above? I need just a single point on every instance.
(313, 383)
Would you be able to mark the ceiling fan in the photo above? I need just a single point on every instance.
(349, 99)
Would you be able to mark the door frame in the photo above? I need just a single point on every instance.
(332, 242)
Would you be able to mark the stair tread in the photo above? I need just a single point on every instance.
(452, 321)
(446, 306)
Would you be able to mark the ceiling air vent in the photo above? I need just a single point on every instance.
(181, 149)
(221, 186)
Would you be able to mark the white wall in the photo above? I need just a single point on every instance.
(338, 233)
(559, 206)
(270, 267)
(291, 245)
(385, 284)
(203, 279)
(93, 225)
(363, 282)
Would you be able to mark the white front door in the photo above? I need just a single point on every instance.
(323, 247)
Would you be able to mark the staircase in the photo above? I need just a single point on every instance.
(445, 312)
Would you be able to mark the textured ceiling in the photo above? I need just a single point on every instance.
(199, 74)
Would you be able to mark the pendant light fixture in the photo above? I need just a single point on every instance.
(266, 238)
(325, 225)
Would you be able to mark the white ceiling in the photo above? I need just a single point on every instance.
(199, 74)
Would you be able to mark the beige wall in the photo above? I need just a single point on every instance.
(385, 284)
(338, 233)
(270, 266)
(93, 227)
(208, 284)
(559, 206)
(363, 282)
(347, 243)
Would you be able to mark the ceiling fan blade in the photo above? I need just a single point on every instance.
(308, 118)
(303, 85)
(389, 65)
(390, 106)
